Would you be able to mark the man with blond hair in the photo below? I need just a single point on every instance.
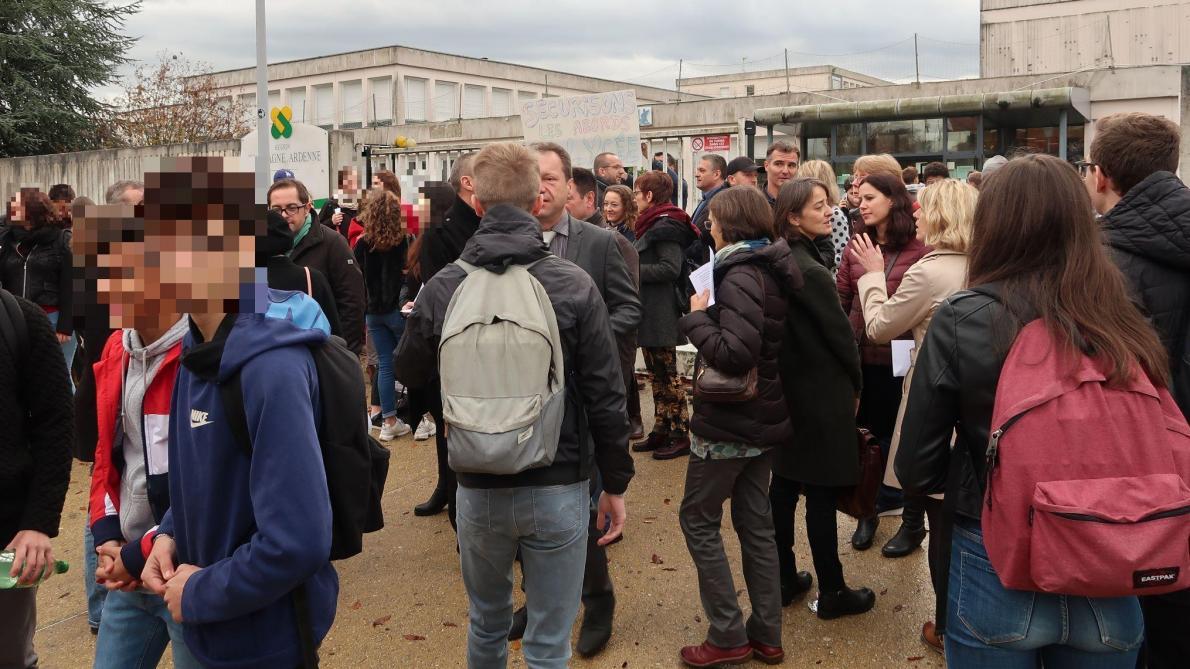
(539, 510)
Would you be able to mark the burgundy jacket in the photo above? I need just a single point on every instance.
(847, 282)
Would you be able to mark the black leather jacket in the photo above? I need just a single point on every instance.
(953, 393)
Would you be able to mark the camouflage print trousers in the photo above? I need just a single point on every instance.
(669, 396)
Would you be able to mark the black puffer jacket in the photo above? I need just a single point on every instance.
(1149, 234)
(742, 330)
(511, 236)
(36, 265)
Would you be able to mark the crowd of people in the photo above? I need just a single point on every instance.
(865, 347)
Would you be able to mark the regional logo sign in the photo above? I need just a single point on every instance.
(282, 122)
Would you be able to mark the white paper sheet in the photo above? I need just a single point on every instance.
(703, 278)
(902, 354)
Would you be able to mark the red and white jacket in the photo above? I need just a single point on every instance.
(109, 450)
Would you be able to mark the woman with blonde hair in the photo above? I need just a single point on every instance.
(381, 254)
(840, 223)
(944, 223)
(876, 163)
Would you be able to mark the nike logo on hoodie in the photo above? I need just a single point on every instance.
(198, 418)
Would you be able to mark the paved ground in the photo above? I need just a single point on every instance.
(402, 602)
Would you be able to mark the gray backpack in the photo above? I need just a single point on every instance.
(500, 363)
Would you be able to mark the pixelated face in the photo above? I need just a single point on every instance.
(16, 211)
(189, 249)
(349, 181)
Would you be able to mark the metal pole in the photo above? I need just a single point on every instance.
(1062, 130)
(787, 73)
(679, 80)
(262, 118)
(916, 64)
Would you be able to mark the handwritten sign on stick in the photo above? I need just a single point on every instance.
(587, 125)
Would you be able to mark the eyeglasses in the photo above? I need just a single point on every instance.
(1084, 166)
(289, 210)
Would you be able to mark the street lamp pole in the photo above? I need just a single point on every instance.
(262, 99)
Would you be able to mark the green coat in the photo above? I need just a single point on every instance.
(820, 373)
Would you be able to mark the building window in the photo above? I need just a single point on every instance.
(296, 99)
(962, 134)
(379, 105)
(849, 139)
(324, 106)
(525, 96)
(274, 101)
(446, 101)
(836, 82)
(351, 104)
(750, 89)
(415, 99)
(916, 137)
(473, 101)
(248, 102)
(725, 91)
(501, 102)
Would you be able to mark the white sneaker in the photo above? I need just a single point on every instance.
(425, 429)
(398, 429)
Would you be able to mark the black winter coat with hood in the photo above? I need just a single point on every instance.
(1149, 235)
(37, 265)
(742, 330)
(507, 236)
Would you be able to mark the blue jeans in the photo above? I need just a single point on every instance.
(386, 331)
(135, 629)
(991, 626)
(68, 349)
(549, 526)
(95, 593)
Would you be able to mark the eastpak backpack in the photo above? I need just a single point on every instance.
(502, 373)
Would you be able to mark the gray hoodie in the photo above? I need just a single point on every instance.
(136, 516)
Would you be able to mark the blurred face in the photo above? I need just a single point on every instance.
(643, 200)
(580, 206)
(706, 177)
(613, 208)
(874, 206)
(743, 179)
(62, 208)
(554, 189)
(376, 183)
(350, 183)
(16, 210)
(780, 168)
(716, 232)
(613, 172)
(853, 196)
(814, 220)
(203, 264)
(287, 202)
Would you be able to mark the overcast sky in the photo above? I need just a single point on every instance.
(641, 42)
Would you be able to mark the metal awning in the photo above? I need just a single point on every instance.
(1037, 104)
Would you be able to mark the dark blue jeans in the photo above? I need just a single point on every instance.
(991, 626)
(386, 331)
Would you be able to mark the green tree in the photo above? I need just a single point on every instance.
(52, 52)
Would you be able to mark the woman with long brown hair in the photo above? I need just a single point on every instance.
(1036, 253)
(888, 220)
(381, 255)
(620, 211)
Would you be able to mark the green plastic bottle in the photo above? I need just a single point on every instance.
(8, 582)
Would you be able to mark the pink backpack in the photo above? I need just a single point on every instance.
(1086, 484)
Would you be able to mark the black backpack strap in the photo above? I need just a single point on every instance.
(14, 329)
(301, 607)
(233, 406)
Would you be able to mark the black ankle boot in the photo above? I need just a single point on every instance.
(793, 589)
(520, 620)
(865, 532)
(845, 602)
(434, 505)
(909, 537)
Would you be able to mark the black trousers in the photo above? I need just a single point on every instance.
(429, 400)
(938, 553)
(821, 527)
(1167, 645)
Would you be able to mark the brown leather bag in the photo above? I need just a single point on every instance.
(712, 385)
(859, 501)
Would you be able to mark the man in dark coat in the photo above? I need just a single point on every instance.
(1146, 221)
(37, 415)
(319, 247)
(284, 274)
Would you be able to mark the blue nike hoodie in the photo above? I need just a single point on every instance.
(258, 525)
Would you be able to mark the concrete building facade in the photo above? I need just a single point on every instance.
(400, 85)
(1053, 36)
(768, 82)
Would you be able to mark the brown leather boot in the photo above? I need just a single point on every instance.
(707, 655)
(675, 448)
(929, 636)
(638, 428)
(656, 440)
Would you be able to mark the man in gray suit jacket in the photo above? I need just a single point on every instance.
(595, 250)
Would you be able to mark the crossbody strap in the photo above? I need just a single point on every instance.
(309, 283)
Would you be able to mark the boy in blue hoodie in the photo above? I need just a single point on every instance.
(245, 531)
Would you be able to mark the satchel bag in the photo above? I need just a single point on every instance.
(712, 385)
(859, 501)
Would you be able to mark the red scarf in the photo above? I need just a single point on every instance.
(664, 210)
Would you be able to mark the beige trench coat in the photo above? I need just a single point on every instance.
(937, 276)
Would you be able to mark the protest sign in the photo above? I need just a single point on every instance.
(587, 125)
